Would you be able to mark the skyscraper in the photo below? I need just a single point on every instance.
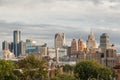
(11, 47)
(60, 40)
(5, 45)
(16, 40)
(91, 42)
(74, 48)
(104, 42)
(22, 48)
(81, 45)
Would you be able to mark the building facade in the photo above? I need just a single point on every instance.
(74, 47)
(110, 58)
(59, 40)
(61, 53)
(22, 48)
(16, 40)
(81, 45)
(91, 42)
(52, 53)
(104, 42)
(5, 45)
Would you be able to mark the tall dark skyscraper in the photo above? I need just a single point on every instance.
(104, 42)
(16, 40)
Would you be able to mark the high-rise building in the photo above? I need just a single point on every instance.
(81, 45)
(22, 48)
(11, 47)
(60, 40)
(91, 42)
(104, 42)
(5, 45)
(16, 40)
(74, 48)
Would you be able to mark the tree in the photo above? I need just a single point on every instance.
(86, 69)
(68, 68)
(33, 67)
(91, 70)
(64, 77)
(7, 70)
(105, 73)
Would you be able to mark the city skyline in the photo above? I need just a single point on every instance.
(42, 19)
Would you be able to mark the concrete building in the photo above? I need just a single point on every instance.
(59, 40)
(81, 56)
(110, 58)
(74, 47)
(96, 56)
(118, 58)
(91, 42)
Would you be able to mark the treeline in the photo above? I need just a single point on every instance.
(34, 67)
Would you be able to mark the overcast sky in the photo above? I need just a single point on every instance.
(41, 19)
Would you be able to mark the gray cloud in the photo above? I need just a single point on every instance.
(41, 19)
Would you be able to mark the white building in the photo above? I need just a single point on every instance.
(61, 52)
(8, 55)
(51, 53)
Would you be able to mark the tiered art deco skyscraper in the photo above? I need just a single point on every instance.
(16, 40)
(74, 47)
(81, 45)
(60, 40)
(91, 42)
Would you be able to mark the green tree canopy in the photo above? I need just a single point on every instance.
(64, 77)
(7, 70)
(88, 69)
(33, 67)
(67, 68)
(105, 73)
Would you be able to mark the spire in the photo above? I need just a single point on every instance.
(91, 36)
